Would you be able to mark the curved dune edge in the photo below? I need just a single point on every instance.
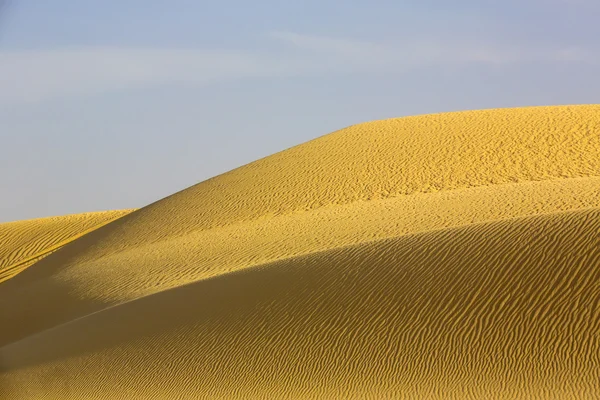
(381, 159)
(72, 283)
(507, 309)
(26, 242)
(386, 159)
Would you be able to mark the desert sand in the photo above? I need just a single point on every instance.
(443, 256)
(25, 242)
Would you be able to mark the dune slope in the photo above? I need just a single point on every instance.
(26, 242)
(439, 256)
(369, 181)
(508, 309)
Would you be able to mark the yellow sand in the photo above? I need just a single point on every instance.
(25, 242)
(440, 256)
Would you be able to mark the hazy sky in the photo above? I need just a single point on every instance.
(116, 104)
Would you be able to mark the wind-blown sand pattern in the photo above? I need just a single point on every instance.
(26, 242)
(441, 256)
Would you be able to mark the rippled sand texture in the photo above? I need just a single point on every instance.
(22, 243)
(432, 257)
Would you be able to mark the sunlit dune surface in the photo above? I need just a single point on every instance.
(433, 257)
(507, 308)
(25, 242)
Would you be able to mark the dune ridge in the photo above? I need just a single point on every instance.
(388, 253)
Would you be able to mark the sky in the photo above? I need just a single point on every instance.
(112, 105)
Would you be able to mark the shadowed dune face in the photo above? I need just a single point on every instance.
(68, 285)
(508, 309)
(439, 256)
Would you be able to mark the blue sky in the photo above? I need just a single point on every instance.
(107, 105)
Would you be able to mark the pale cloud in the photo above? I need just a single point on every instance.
(36, 75)
(420, 52)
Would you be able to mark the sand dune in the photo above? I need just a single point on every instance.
(440, 256)
(25, 242)
(507, 309)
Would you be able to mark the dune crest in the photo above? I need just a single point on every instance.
(440, 256)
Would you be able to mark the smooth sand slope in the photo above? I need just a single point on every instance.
(25, 242)
(440, 256)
